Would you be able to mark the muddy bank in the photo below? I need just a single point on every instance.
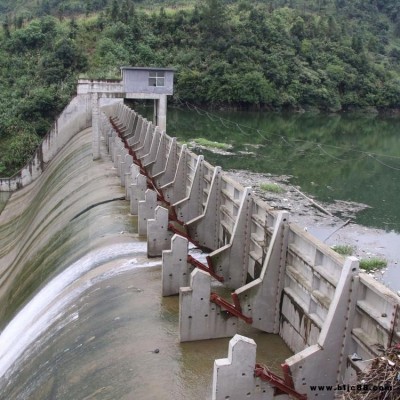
(331, 223)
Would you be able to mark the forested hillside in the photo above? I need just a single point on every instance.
(331, 55)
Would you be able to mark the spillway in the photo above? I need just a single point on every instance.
(82, 312)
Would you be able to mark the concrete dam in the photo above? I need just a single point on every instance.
(131, 268)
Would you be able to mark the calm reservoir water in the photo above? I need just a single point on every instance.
(352, 157)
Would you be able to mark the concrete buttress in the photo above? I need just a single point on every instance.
(204, 228)
(261, 298)
(167, 174)
(175, 190)
(199, 318)
(138, 189)
(146, 210)
(325, 362)
(191, 206)
(158, 235)
(231, 260)
(234, 378)
(175, 268)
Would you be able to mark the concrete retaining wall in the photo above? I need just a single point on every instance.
(74, 118)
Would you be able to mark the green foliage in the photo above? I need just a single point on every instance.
(20, 148)
(38, 69)
(271, 187)
(343, 249)
(371, 264)
(266, 55)
(211, 144)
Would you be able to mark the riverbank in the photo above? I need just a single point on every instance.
(331, 223)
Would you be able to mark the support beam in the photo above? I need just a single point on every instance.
(231, 261)
(161, 157)
(325, 362)
(204, 229)
(192, 206)
(162, 112)
(175, 190)
(95, 126)
(261, 298)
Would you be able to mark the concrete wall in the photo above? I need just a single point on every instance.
(74, 118)
(86, 86)
(136, 80)
(285, 280)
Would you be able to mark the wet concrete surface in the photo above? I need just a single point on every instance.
(102, 345)
(4, 196)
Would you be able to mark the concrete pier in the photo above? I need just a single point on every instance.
(199, 318)
(175, 267)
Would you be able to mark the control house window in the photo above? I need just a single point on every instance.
(156, 78)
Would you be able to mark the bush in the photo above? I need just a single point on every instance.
(271, 187)
(20, 148)
(343, 249)
(371, 264)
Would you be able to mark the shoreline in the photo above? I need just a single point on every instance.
(331, 223)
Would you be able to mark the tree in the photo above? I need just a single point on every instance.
(297, 28)
(6, 27)
(114, 12)
(88, 8)
(357, 44)
(213, 20)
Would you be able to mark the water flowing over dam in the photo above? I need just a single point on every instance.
(92, 252)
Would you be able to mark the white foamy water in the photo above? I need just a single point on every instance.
(49, 304)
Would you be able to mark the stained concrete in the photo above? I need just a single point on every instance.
(47, 208)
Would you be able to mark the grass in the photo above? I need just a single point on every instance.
(371, 264)
(210, 143)
(271, 187)
(366, 264)
(343, 249)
